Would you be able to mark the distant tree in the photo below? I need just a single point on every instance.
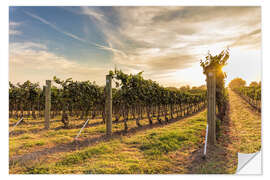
(254, 84)
(203, 87)
(185, 88)
(172, 88)
(237, 83)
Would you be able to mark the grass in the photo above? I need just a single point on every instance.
(148, 151)
(158, 144)
(81, 156)
(53, 137)
(21, 144)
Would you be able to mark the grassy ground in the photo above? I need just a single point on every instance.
(31, 136)
(246, 123)
(240, 132)
(149, 151)
(175, 148)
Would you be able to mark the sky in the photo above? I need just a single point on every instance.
(167, 43)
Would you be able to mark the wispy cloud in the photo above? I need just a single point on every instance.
(14, 24)
(73, 36)
(39, 63)
(113, 50)
(54, 27)
(13, 28)
(165, 39)
(94, 14)
(164, 42)
(244, 40)
(25, 46)
(14, 32)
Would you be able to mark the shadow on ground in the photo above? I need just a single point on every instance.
(221, 158)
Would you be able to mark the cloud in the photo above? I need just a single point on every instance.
(170, 38)
(202, 14)
(24, 46)
(94, 14)
(73, 36)
(54, 27)
(12, 28)
(115, 51)
(14, 32)
(14, 24)
(28, 60)
(172, 62)
(243, 40)
(161, 41)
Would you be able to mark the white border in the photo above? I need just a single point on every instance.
(135, 2)
(4, 87)
(4, 74)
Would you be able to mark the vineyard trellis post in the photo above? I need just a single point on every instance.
(47, 103)
(108, 105)
(211, 105)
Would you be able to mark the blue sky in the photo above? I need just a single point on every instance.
(57, 42)
(166, 43)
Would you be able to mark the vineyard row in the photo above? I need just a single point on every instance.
(132, 98)
(251, 94)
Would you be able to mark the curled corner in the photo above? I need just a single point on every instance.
(249, 163)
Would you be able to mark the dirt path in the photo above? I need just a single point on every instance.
(240, 132)
(247, 124)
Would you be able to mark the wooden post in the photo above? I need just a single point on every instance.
(211, 106)
(108, 105)
(47, 103)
